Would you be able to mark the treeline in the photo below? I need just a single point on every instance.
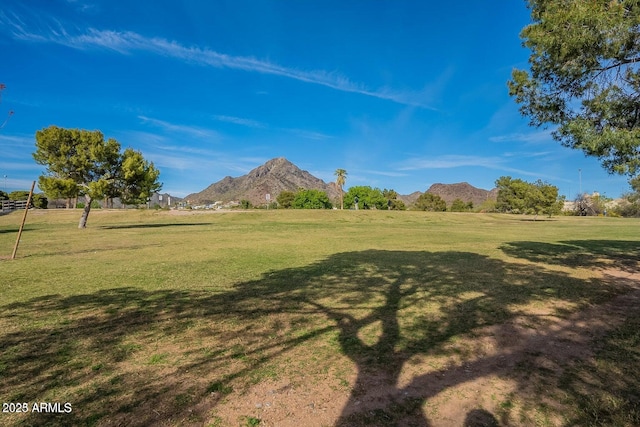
(357, 197)
(514, 196)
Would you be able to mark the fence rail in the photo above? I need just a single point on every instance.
(12, 205)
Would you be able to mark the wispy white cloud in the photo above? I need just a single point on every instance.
(127, 42)
(16, 141)
(191, 159)
(193, 131)
(240, 121)
(451, 161)
(302, 133)
(533, 138)
(385, 173)
(15, 166)
(528, 154)
(188, 150)
(83, 6)
(457, 161)
(170, 161)
(316, 136)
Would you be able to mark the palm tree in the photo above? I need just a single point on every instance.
(341, 178)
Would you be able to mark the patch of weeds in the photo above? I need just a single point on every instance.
(93, 419)
(507, 405)
(97, 367)
(209, 352)
(64, 353)
(179, 327)
(215, 421)
(251, 421)
(265, 372)
(112, 311)
(542, 415)
(129, 407)
(505, 408)
(157, 359)
(183, 400)
(238, 352)
(351, 345)
(116, 379)
(219, 387)
(123, 351)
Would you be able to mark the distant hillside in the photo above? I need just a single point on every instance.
(463, 191)
(410, 199)
(272, 178)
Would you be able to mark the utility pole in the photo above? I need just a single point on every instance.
(580, 177)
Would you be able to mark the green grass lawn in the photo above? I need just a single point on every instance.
(147, 316)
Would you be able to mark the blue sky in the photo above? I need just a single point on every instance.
(401, 94)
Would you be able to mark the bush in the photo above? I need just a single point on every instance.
(311, 199)
(94, 205)
(460, 206)
(430, 202)
(285, 199)
(368, 198)
(626, 209)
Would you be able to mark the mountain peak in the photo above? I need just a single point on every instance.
(273, 177)
(277, 161)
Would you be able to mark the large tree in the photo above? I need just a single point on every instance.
(81, 162)
(518, 196)
(584, 78)
(311, 199)
(341, 178)
(430, 202)
(368, 197)
(138, 179)
(393, 203)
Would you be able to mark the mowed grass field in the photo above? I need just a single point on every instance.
(320, 318)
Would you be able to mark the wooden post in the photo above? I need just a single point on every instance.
(24, 218)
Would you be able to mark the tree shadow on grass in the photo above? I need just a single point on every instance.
(603, 254)
(152, 225)
(135, 357)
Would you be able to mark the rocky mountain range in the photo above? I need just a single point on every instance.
(463, 191)
(450, 192)
(279, 174)
(272, 178)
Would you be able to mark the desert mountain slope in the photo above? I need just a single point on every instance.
(272, 178)
(463, 191)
